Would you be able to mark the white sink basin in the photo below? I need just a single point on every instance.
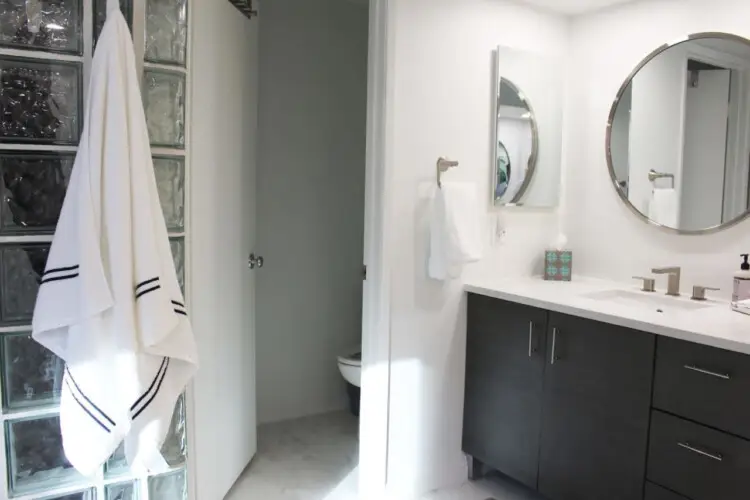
(650, 300)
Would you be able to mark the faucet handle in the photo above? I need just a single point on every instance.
(699, 292)
(649, 284)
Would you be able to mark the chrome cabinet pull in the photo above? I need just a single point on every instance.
(714, 456)
(554, 345)
(531, 338)
(724, 376)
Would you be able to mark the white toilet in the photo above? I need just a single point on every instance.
(350, 366)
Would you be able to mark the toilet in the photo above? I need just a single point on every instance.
(350, 366)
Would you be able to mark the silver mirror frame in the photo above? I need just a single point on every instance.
(608, 140)
(531, 164)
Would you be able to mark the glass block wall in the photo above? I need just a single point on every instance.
(45, 57)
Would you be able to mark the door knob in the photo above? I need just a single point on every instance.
(253, 261)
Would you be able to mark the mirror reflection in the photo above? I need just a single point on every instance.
(679, 134)
(515, 144)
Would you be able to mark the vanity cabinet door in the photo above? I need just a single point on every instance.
(505, 355)
(597, 392)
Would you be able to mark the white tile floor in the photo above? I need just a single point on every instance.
(315, 458)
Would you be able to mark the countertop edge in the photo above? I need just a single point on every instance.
(635, 324)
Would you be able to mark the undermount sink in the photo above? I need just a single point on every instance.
(661, 303)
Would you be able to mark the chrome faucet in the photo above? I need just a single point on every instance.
(673, 283)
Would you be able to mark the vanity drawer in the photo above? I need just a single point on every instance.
(705, 384)
(654, 492)
(698, 462)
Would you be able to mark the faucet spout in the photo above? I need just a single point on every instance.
(673, 281)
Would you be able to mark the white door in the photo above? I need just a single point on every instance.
(706, 112)
(222, 233)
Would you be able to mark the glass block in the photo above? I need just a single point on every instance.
(174, 449)
(33, 187)
(166, 31)
(36, 460)
(164, 102)
(121, 491)
(79, 495)
(100, 15)
(170, 179)
(40, 101)
(21, 268)
(178, 253)
(32, 375)
(117, 464)
(53, 25)
(171, 486)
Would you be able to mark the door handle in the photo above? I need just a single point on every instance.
(253, 261)
(532, 349)
(710, 373)
(554, 357)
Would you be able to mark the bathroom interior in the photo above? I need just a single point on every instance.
(603, 139)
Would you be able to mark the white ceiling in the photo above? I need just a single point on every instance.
(574, 6)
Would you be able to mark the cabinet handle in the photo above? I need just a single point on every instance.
(714, 456)
(531, 338)
(554, 345)
(724, 376)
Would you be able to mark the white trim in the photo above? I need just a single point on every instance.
(376, 331)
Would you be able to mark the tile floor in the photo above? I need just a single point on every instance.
(315, 458)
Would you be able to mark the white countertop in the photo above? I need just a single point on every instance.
(716, 326)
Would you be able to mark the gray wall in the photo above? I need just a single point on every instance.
(311, 171)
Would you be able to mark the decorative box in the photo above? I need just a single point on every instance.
(558, 265)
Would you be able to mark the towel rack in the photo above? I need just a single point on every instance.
(653, 175)
(443, 164)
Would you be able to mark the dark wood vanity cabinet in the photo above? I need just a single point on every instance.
(583, 410)
(595, 417)
(504, 381)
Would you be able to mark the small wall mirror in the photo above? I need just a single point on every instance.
(678, 137)
(527, 129)
(517, 144)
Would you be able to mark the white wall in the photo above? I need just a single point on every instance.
(442, 105)
(222, 152)
(311, 171)
(607, 240)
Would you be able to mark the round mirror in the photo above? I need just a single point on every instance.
(516, 145)
(678, 136)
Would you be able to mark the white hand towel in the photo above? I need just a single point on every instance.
(455, 230)
(663, 207)
(109, 303)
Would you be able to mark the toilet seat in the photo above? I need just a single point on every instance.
(354, 359)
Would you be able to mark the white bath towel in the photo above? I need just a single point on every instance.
(663, 207)
(455, 230)
(109, 303)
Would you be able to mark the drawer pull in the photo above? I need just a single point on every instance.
(724, 376)
(714, 456)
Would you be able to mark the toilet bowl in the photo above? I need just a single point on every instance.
(350, 366)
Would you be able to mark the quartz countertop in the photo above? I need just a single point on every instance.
(715, 325)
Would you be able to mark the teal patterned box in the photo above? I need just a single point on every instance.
(558, 265)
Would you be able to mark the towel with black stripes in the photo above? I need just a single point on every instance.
(109, 302)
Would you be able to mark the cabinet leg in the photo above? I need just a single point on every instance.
(476, 468)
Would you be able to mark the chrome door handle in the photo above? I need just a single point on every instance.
(723, 376)
(554, 345)
(714, 456)
(532, 349)
(253, 261)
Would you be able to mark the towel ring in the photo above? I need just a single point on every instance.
(443, 164)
